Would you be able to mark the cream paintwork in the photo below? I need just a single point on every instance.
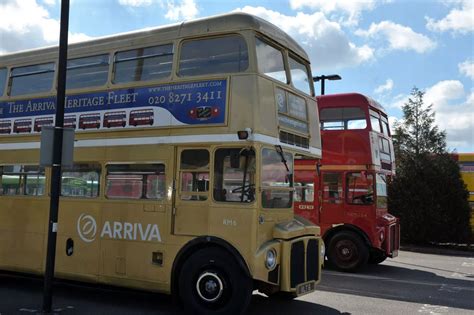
(250, 104)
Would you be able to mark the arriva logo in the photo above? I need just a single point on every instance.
(87, 230)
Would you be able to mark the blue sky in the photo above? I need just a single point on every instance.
(381, 48)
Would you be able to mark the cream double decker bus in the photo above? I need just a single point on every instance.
(197, 201)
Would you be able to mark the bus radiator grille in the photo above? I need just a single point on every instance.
(297, 263)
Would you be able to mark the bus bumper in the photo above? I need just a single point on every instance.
(392, 242)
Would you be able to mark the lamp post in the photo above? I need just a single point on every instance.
(322, 78)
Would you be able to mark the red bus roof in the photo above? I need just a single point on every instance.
(343, 99)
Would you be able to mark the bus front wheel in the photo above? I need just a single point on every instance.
(212, 282)
(347, 251)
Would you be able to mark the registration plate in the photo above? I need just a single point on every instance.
(305, 288)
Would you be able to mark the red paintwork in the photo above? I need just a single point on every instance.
(347, 151)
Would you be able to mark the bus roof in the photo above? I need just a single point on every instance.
(463, 157)
(346, 99)
(211, 25)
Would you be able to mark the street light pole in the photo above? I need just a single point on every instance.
(57, 157)
(322, 78)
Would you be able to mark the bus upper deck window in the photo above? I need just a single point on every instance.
(343, 118)
(300, 76)
(213, 55)
(270, 61)
(3, 79)
(87, 71)
(375, 121)
(32, 79)
(143, 64)
(385, 128)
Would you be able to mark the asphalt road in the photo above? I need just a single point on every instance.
(413, 283)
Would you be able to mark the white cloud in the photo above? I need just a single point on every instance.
(459, 20)
(443, 92)
(181, 10)
(352, 9)
(467, 68)
(454, 112)
(327, 45)
(398, 36)
(25, 24)
(136, 3)
(175, 9)
(387, 87)
(49, 2)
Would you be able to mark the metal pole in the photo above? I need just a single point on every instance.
(57, 156)
(322, 84)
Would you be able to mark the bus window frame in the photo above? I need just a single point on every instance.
(371, 189)
(11, 77)
(281, 49)
(95, 54)
(191, 195)
(113, 68)
(375, 115)
(23, 180)
(144, 193)
(100, 185)
(177, 56)
(333, 196)
(293, 56)
(3, 87)
(343, 123)
(289, 188)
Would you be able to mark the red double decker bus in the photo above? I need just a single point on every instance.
(22, 125)
(70, 121)
(5, 126)
(346, 192)
(43, 121)
(141, 117)
(115, 119)
(89, 121)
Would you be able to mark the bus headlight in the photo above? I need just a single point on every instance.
(271, 259)
(323, 250)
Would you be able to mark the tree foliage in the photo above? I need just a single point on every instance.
(417, 134)
(427, 193)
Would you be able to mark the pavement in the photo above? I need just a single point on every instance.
(449, 249)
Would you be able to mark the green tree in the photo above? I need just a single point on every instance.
(417, 134)
(427, 193)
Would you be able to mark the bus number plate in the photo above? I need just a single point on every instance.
(305, 288)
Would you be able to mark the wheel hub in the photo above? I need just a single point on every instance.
(209, 287)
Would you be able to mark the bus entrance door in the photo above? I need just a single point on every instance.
(307, 192)
(191, 204)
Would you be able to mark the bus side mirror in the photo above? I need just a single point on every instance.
(235, 160)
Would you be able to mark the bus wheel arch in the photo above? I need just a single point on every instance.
(196, 245)
(347, 248)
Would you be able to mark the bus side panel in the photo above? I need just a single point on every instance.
(77, 222)
(139, 234)
(23, 222)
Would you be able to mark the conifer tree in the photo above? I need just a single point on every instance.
(427, 193)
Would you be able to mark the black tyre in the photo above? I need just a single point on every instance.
(212, 282)
(376, 257)
(347, 251)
